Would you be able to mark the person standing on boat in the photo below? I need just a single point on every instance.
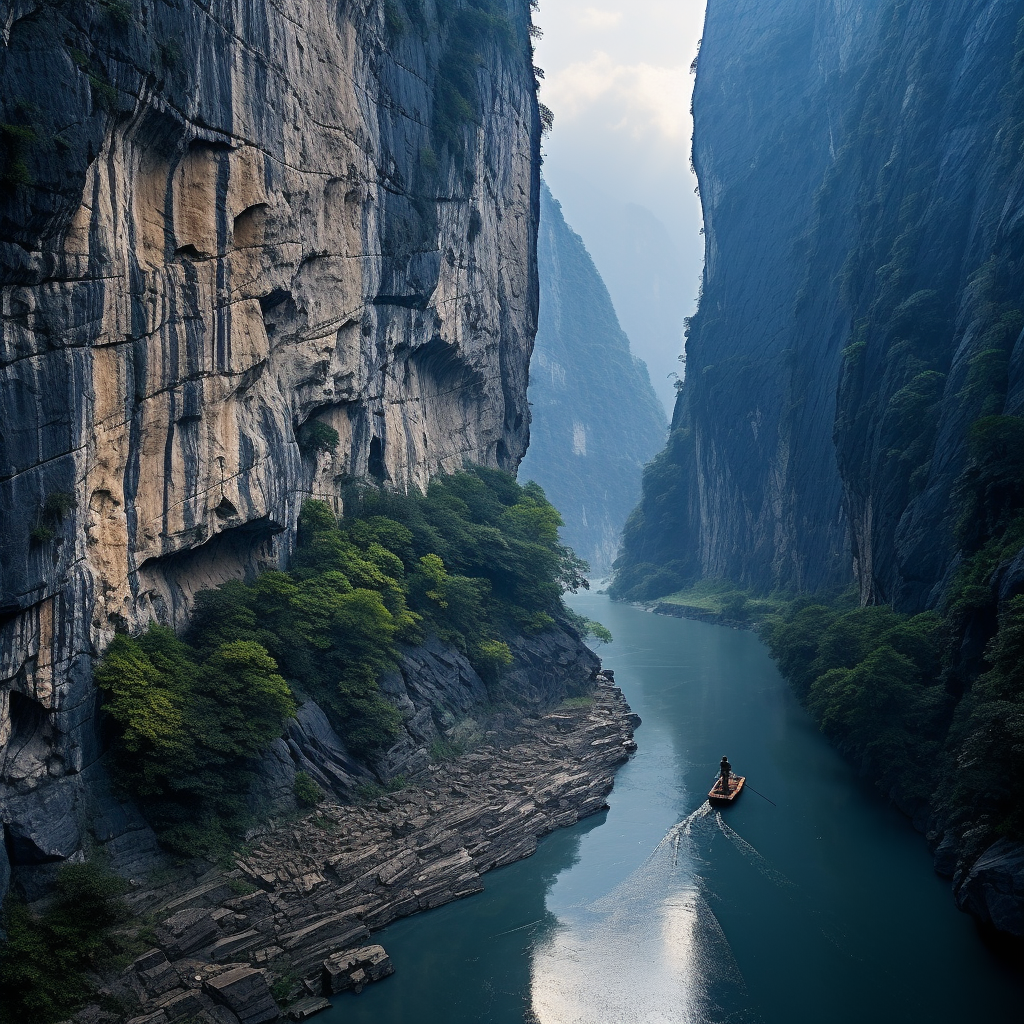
(726, 772)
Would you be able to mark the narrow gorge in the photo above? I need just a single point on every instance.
(597, 420)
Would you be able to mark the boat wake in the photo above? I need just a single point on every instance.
(651, 951)
(751, 855)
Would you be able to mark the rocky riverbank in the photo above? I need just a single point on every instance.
(291, 922)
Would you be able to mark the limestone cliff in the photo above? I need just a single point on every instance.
(221, 223)
(862, 197)
(596, 418)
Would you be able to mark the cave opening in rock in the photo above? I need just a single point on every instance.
(28, 716)
(375, 463)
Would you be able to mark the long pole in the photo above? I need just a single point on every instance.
(761, 795)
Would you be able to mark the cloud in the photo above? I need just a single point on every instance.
(593, 18)
(640, 98)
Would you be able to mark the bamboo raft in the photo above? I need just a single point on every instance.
(722, 797)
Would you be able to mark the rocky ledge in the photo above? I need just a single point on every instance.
(290, 924)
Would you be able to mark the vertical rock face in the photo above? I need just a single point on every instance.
(220, 224)
(596, 417)
(861, 176)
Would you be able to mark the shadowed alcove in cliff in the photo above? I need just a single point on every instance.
(169, 583)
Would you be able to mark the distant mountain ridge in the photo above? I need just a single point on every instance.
(596, 418)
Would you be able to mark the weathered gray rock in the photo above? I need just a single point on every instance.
(156, 972)
(354, 968)
(309, 745)
(150, 1018)
(182, 1005)
(993, 889)
(186, 931)
(245, 992)
(308, 1007)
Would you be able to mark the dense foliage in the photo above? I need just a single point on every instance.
(189, 724)
(45, 960)
(872, 679)
(473, 560)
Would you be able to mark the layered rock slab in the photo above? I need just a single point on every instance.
(324, 883)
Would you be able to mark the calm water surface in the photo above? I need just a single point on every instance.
(821, 910)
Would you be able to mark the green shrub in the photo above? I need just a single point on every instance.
(58, 504)
(307, 792)
(188, 728)
(119, 11)
(16, 141)
(317, 436)
(45, 958)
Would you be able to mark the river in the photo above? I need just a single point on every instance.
(821, 909)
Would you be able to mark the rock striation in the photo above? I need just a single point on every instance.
(223, 225)
(302, 902)
(596, 418)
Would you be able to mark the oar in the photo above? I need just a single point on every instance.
(761, 795)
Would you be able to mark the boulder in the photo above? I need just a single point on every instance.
(353, 968)
(993, 889)
(186, 931)
(182, 1005)
(156, 973)
(245, 992)
(306, 1008)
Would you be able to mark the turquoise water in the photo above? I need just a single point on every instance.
(820, 910)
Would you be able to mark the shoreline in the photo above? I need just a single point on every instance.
(685, 611)
(314, 889)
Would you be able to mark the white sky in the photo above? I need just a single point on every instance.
(618, 80)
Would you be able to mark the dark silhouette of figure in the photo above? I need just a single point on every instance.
(726, 772)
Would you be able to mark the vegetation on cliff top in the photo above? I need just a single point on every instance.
(475, 560)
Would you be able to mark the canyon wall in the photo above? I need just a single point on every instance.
(224, 228)
(861, 179)
(596, 418)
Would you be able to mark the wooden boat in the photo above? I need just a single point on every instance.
(719, 797)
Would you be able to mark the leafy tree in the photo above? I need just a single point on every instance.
(44, 961)
(188, 730)
(307, 792)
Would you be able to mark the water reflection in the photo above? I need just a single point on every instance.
(650, 951)
(470, 961)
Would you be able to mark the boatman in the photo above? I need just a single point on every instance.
(726, 772)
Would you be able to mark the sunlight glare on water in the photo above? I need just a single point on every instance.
(650, 951)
